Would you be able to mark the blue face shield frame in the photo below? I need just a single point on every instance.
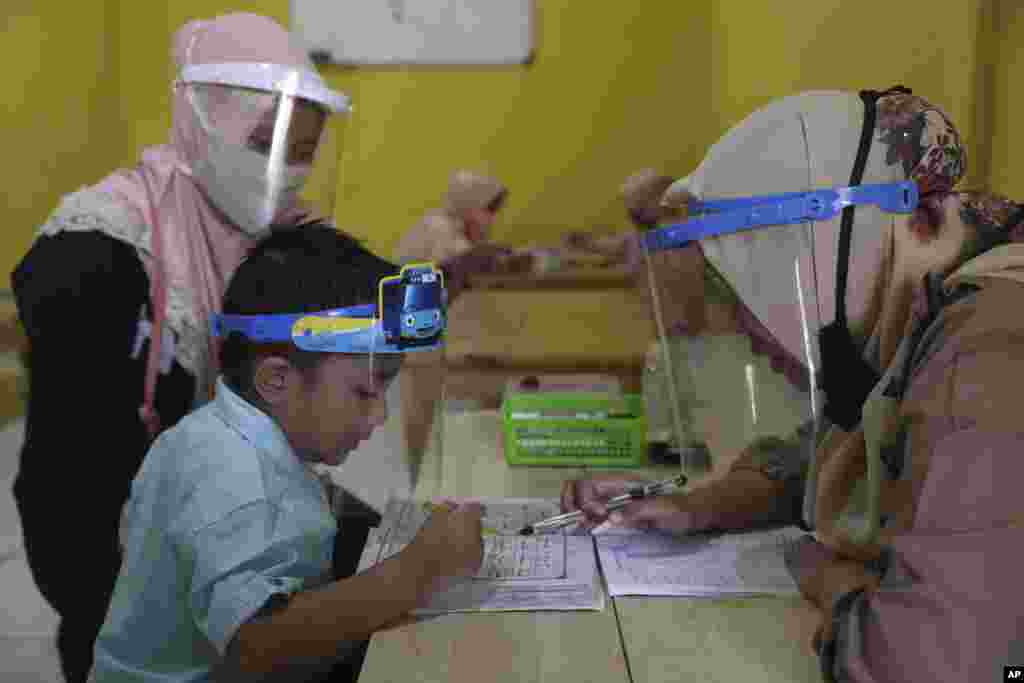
(727, 216)
(410, 315)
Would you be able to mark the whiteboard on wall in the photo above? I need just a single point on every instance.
(366, 32)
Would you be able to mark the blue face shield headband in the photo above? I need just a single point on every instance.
(727, 216)
(410, 315)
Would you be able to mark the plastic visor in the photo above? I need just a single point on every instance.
(740, 372)
(410, 316)
(269, 147)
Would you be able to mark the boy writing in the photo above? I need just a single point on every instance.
(228, 534)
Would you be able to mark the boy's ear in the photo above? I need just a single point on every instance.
(271, 378)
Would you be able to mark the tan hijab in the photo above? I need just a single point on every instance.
(641, 193)
(442, 233)
(810, 141)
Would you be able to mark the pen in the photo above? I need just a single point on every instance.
(654, 489)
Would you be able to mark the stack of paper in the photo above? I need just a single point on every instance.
(544, 572)
(559, 571)
(705, 565)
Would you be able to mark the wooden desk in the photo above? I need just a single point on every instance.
(524, 647)
(663, 639)
(582, 330)
(556, 647)
(593, 277)
(637, 639)
(519, 325)
(579, 320)
(497, 333)
(633, 639)
(696, 640)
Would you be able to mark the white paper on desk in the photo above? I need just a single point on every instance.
(580, 589)
(403, 518)
(511, 558)
(507, 557)
(520, 573)
(705, 565)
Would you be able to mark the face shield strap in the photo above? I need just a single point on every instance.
(409, 316)
(729, 216)
(846, 378)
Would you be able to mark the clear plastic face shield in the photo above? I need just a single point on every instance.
(745, 374)
(410, 315)
(267, 141)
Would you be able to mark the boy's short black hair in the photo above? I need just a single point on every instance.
(302, 269)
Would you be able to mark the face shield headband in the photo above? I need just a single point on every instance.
(410, 315)
(846, 379)
(727, 216)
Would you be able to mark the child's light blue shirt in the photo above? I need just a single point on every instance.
(222, 515)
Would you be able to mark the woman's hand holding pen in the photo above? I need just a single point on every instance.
(663, 512)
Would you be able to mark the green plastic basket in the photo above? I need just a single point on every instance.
(574, 429)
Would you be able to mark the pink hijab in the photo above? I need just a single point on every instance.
(194, 246)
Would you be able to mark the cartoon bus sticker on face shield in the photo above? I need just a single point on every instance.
(413, 306)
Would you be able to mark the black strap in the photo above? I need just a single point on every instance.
(1014, 220)
(870, 99)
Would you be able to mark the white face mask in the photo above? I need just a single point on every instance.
(240, 183)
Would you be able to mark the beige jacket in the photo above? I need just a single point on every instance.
(441, 233)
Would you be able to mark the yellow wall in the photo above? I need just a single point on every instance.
(60, 123)
(1008, 100)
(615, 86)
(562, 133)
(765, 48)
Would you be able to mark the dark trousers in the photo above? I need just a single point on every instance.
(75, 639)
(74, 573)
(355, 518)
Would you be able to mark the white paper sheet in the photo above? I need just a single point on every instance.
(704, 565)
(511, 557)
(505, 516)
(519, 573)
(580, 589)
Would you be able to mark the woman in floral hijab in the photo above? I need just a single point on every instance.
(931, 593)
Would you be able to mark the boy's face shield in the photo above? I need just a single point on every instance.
(410, 316)
(268, 145)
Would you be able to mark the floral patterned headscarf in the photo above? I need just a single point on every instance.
(924, 140)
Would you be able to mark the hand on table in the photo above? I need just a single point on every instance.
(665, 513)
(452, 540)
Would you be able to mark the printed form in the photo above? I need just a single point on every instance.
(698, 565)
(553, 571)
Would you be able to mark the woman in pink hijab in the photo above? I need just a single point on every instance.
(116, 292)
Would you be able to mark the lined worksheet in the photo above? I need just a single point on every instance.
(511, 557)
(700, 565)
(505, 516)
(551, 571)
